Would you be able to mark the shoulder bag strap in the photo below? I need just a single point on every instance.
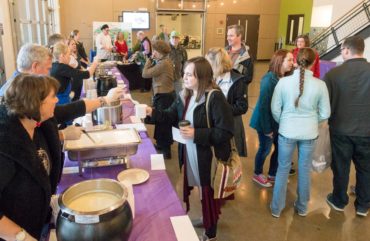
(232, 141)
(207, 114)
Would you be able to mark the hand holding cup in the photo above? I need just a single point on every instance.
(186, 131)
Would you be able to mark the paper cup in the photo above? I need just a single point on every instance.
(140, 110)
(87, 123)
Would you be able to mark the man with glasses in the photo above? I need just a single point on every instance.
(349, 88)
(104, 44)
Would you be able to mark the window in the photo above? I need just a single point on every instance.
(34, 20)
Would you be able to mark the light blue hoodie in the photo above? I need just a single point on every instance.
(314, 106)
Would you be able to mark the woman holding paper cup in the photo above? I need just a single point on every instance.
(196, 155)
(161, 70)
(30, 156)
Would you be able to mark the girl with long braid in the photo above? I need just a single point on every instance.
(299, 103)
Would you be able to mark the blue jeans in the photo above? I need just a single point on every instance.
(345, 149)
(263, 151)
(286, 149)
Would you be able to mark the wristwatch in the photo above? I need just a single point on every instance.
(21, 235)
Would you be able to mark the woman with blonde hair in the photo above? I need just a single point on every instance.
(75, 34)
(300, 101)
(121, 46)
(76, 59)
(232, 86)
(65, 74)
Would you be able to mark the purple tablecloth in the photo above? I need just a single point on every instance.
(155, 200)
(325, 66)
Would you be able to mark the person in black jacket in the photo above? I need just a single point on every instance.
(64, 73)
(349, 88)
(196, 155)
(30, 156)
(232, 86)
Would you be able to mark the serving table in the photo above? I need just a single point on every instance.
(155, 200)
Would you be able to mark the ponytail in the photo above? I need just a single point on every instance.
(301, 81)
(305, 58)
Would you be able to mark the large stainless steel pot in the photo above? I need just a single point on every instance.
(91, 221)
(108, 114)
(105, 83)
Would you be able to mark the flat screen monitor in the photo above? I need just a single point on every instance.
(139, 20)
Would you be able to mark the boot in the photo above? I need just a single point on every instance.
(204, 237)
(197, 223)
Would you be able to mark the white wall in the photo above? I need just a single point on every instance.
(339, 8)
(321, 16)
(9, 55)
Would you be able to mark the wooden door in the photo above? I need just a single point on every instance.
(250, 24)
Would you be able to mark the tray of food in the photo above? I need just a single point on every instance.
(101, 144)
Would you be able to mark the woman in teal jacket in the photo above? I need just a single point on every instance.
(281, 65)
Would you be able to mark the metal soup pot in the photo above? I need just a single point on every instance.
(94, 210)
(105, 83)
(108, 114)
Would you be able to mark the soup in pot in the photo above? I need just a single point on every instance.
(93, 201)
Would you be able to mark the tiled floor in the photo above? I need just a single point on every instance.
(248, 217)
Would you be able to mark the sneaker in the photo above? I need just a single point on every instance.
(275, 215)
(329, 200)
(271, 179)
(300, 213)
(261, 180)
(292, 172)
(362, 213)
(197, 223)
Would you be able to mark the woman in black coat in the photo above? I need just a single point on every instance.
(232, 85)
(196, 154)
(30, 156)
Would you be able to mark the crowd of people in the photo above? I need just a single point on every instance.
(44, 94)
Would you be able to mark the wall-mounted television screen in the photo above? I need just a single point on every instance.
(139, 20)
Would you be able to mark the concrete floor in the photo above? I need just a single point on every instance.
(248, 217)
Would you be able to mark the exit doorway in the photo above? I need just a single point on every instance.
(190, 27)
